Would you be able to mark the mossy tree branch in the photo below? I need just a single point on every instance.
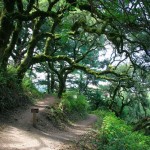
(30, 6)
(23, 67)
(20, 6)
(6, 26)
(33, 15)
(62, 77)
(74, 65)
(9, 49)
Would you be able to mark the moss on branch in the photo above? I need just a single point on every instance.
(42, 58)
(11, 46)
(28, 17)
(74, 65)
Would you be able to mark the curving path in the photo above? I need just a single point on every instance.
(18, 133)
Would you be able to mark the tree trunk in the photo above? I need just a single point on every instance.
(26, 63)
(10, 47)
(48, 83)
(52, 82)
(113, 96)
(24, 66)
(6, 28)
(62, 87)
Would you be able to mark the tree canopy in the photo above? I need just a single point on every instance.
(70, 35)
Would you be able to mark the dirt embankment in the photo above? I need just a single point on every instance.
(17, 132)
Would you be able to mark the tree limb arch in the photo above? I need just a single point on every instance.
(74, 65)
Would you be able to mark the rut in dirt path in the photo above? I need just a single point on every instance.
(20, 135)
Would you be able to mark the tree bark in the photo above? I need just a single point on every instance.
(27, 62)
(52, 82)
(62, 87)
(48, 83)
(6, 28)
(13, 41)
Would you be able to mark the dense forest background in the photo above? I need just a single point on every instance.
(98, 49)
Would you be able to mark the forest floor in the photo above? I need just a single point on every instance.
(17, 132)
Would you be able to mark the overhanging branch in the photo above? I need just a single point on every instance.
(74, 65)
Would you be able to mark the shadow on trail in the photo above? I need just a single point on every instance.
(20, 134)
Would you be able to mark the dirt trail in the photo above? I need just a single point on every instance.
(18, 133)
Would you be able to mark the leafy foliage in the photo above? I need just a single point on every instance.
(29, 87)
(68, 35)
(96, 98)
(13, 94)
(74, 103)
(57, 116)
(115, 134)
(71, 107)
(8, 78)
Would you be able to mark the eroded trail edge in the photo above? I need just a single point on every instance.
(19, 134)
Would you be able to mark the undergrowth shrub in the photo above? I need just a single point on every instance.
(115, 134)
(57, 116)
(8, 78)
(13, 94)
(71, 107)
(74, 104)
(96, 98)
(30, 89)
